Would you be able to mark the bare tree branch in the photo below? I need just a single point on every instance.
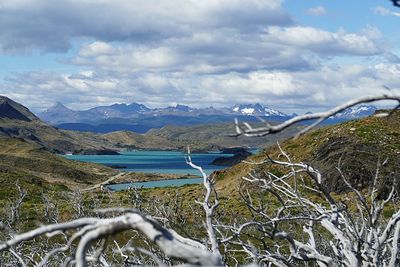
(172, 244)
(207, 206)
(247, 130)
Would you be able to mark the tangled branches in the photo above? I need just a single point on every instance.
(310, 224)
(89, 230)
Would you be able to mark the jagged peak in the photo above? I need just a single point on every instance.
(183, 107)
(57, 107)
(59, 104)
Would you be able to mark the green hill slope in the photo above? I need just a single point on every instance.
(53, 139)
(18, 156)
(17, 121)
(200, 138)
(356, 145)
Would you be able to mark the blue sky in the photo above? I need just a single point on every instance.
(292, 55)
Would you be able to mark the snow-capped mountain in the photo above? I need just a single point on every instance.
(59, 114)
(356, 112)
(256, 109)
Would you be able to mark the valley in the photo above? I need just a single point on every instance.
(53, 187)
(31, 146)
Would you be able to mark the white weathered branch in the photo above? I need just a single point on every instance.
(170, 243)
(367, 240)
(248, 130)
(207, 206)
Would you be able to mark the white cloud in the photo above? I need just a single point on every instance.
(382, 11)
(227, 50)
(325, 42)
(289, 91)
(208, 52)
(40, 24)
(189, 55)
(316, 11)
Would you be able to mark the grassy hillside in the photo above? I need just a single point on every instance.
(17, 121)
(215, 134)
(131, 140)
(357, 145)
(200, 138)
(51, 138)
(18, 156)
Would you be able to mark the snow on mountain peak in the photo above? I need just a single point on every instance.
(356, 112)
(248, 111)
(256, 109)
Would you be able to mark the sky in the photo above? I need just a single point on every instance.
(292, 55)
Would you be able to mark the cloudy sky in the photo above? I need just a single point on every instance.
(291, 55)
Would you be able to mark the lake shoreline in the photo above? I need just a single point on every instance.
(139, 177)
(154, 165)
(116, 187)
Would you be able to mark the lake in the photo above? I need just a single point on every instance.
(166, 162)
(169, 162)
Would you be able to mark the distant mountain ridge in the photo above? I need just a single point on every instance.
(140, 118)
(59, 113)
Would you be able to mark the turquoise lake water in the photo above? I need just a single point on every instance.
(154, 161)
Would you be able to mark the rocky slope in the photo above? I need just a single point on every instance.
(14, 111)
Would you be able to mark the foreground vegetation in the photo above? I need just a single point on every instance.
(278, 209)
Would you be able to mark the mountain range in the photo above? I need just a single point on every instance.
(139, 118)
(18, 123)
(171, 128)
(61, 114)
